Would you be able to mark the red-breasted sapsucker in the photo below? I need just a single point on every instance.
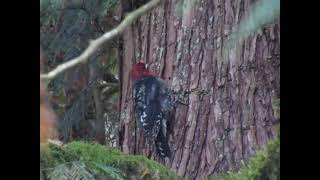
(153, 108)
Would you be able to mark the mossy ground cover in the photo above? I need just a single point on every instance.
(87, 160)
(101, 162)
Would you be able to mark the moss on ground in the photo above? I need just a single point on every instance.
(109, 163)
(95, 156)
(265, 165)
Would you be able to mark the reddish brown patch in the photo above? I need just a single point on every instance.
(47, 116)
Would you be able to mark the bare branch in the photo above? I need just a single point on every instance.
(94, 44)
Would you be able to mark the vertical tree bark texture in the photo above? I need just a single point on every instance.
(229, 112)
(100, 127)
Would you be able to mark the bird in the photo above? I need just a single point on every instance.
(153, 107)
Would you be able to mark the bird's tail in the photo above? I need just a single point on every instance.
(162, 146)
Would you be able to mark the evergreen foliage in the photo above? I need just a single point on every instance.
(84, 160)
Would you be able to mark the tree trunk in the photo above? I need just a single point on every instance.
(229, 112)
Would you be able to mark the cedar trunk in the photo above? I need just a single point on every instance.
(228, 111)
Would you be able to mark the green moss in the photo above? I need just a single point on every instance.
(276, 107)
(96, 157)
(264, 165)
(112, 163)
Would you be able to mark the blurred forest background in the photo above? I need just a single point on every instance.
(84, 98)
(221, 57)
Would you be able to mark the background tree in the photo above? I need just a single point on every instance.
(230, 93)
(84, 98)
(230, 98)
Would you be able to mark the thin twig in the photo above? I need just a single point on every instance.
(94, 44)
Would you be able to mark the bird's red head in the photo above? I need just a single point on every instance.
(139, 70)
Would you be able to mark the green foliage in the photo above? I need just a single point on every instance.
(276, 107)
(77, 170)
(108, 5)
(260, 14)
(88, 160)
(48, 11)
(183, 7)
(276, 102)
(113, 172)
(50, 8)
(65, 30)
(264, 165)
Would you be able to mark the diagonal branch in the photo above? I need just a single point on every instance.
(94, 44)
